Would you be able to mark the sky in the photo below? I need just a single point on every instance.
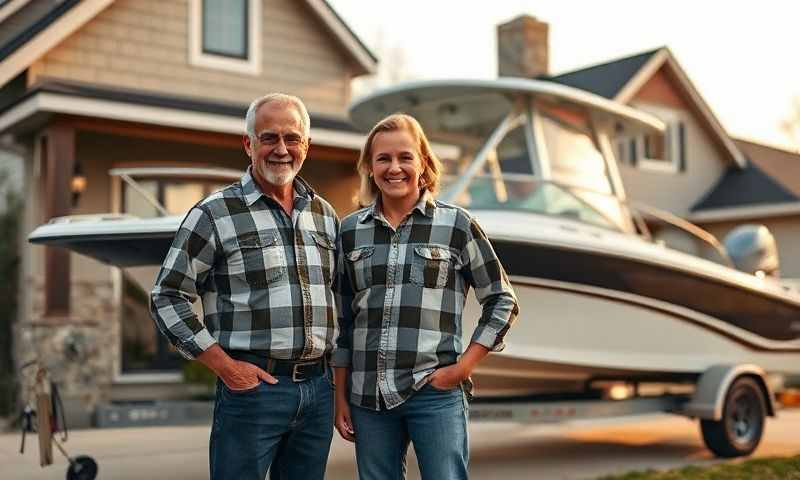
(743, 57)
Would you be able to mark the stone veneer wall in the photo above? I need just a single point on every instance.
(80, 352)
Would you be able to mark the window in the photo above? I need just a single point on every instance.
(226, 35)
(662, 153)
(225, 27)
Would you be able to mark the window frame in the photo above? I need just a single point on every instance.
(672, 150)
(251, 65)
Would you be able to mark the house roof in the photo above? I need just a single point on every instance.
(769, 186)
(605, 79)
(767, 183)
(23, 24)
(28, 33)
(782, 165)
(621, 79)
(745, 188)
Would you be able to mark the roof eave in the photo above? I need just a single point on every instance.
(364, 59)
(745, 212)
(36, 106)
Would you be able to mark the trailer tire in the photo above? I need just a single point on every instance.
(741, 427)
(82, 467)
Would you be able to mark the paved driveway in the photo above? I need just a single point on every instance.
(499, 450)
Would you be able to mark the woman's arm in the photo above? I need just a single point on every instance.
(483, 271)
(342, 355)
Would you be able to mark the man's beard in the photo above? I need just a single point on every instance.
(274, 178)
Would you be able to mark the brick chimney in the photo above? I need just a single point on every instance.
(522, 49)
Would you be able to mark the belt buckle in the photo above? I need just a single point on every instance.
(296, 371)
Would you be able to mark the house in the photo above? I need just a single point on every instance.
(108, 103)
(696, 171)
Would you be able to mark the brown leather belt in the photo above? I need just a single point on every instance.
(298, 370)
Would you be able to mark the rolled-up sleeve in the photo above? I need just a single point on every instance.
(180, 281)
(343, 353)
(483, 272)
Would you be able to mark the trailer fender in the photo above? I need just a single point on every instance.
(709, 395)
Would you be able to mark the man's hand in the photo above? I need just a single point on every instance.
(235, 374)
(449, 377)
(244, 376)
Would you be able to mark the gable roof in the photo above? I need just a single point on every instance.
(606, 79)
(30, 32)
(621, 79)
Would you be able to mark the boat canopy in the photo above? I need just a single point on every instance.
(522, 144)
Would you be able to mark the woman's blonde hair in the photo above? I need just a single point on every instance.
(431, 166)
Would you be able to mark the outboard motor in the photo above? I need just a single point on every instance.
(753, 249)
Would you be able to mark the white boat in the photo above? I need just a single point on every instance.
(601, 301)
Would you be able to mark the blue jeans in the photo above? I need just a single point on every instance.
(287, 426)
(435, 421)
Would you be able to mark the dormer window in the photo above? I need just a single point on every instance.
(225, 35)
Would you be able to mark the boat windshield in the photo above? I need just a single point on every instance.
(529, 194)
(542, 159)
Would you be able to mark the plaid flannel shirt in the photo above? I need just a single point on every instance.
(400, 296)
(264, 278)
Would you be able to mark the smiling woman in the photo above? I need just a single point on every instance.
(413, 258)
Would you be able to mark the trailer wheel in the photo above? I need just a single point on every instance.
(739, 430)
(82, 468)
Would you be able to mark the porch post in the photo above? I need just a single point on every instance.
(59, 161)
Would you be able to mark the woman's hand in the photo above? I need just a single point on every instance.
(343, 422)
(449, 377)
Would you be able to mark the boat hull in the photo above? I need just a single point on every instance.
(571, 336)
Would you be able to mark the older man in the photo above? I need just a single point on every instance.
(260, 255)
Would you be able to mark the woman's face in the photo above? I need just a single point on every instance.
(396, 165)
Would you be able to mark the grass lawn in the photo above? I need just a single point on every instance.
(759, 469)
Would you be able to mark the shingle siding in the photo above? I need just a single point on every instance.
(143, 44)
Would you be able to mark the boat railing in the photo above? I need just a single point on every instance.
(663, 216)
(593, 207)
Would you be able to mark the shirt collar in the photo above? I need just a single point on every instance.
(425, 205)
(252, 192)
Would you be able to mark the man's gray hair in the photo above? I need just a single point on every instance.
(280, 98)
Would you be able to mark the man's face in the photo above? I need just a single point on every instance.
(279, 148)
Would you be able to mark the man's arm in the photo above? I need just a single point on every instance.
(179, 283)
